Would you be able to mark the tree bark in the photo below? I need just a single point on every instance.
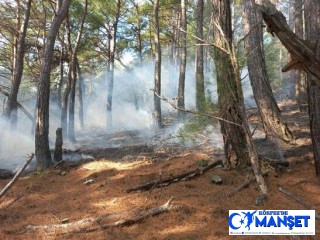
(273, 124)
(238, 144)
(42, 150)
(298, 77)
(81, 89)
(312, 17)
(112, 48)
(11, 104)
(228, 87)
(71, 132)
(65, 98)
(305, 55)
(302, 51)
(183, 58)
(200, 93)
(157, 67)
(58, 146)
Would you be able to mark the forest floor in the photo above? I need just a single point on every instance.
(60, 195)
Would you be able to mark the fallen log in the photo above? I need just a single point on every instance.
(298, 200)
(16, 177)
(94, 224)
(167, 181)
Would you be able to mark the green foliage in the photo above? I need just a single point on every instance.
(198, 123)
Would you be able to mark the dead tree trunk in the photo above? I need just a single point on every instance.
(58, 147)
(273, 124)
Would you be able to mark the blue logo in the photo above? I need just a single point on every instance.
(271, 222)
(246, 215)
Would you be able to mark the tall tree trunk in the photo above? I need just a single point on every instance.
(11, 104)
(42, 150)
(239, 147)
(229, 87)
(299, 76)
(183, 59)
(113, 42)
(157, 68)
(65, 98)
(273, 124)
(200, 94)
(81, 89)
(312, 17)
(71, 133)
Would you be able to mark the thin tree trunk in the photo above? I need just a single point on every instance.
(113, 42)
(200, 94)
(299, 76)
(71, 133)
(11, 104)
(273, 124)
(312, 17)
(157, 70)
(42, 150)
(65, 98)
(81, 89)
(183, 59)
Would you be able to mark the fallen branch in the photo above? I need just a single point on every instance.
(249, 180)
(16, 177)
(7, 204)
(173, 179)
(298, 200)
(85, 225)
(19, 105)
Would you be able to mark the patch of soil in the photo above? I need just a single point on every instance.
(60, 193)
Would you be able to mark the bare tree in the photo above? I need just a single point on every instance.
(42, 150)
